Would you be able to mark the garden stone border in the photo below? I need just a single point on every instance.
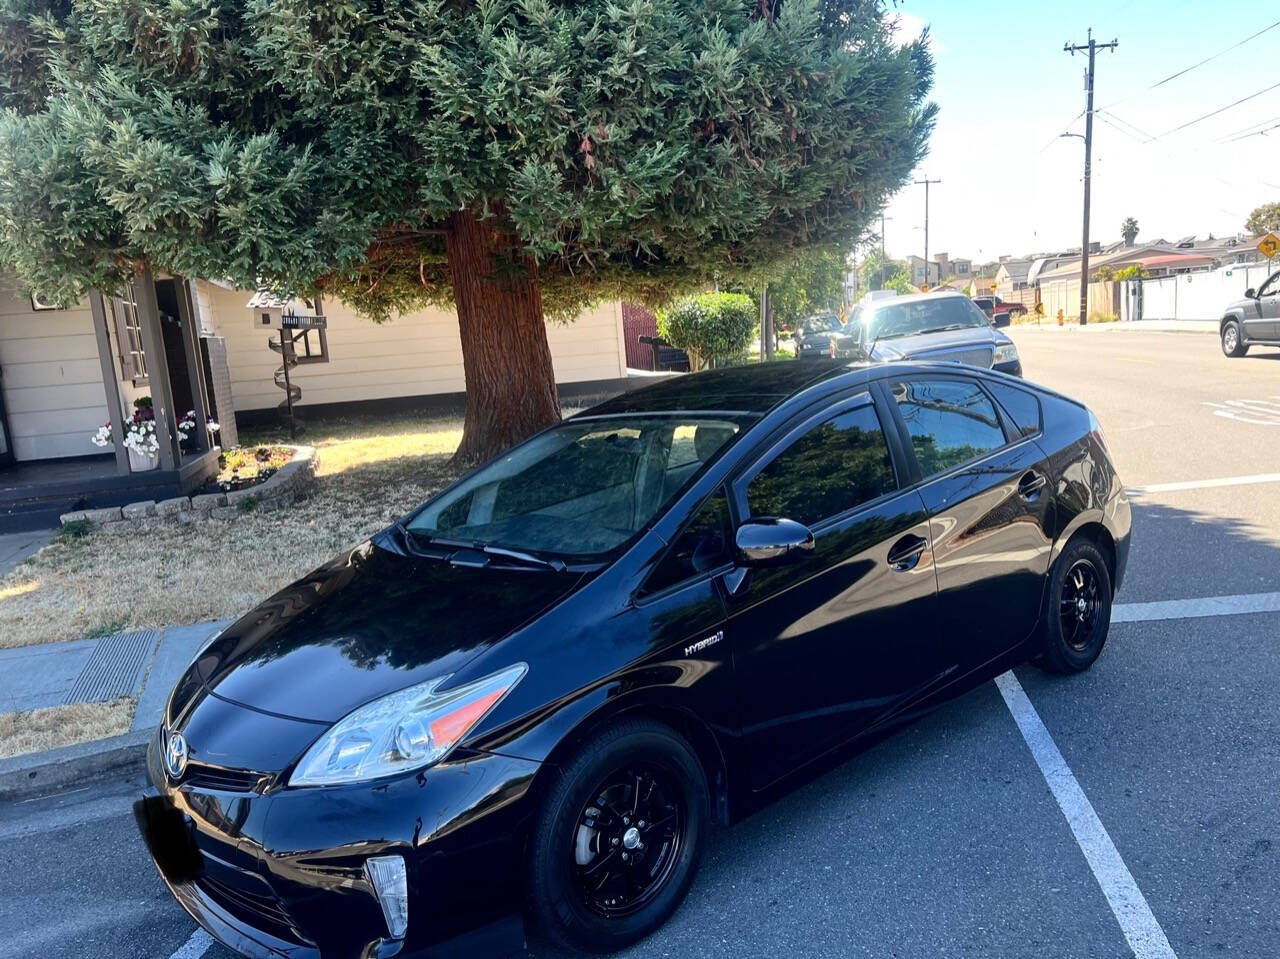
(280, 490)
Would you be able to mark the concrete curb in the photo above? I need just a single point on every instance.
(35, 774)
(1135, 326)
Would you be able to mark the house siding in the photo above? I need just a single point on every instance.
(52, 379)
(418, 354)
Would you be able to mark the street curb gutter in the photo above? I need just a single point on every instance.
(23, 777)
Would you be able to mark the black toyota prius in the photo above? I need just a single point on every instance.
(529, 699)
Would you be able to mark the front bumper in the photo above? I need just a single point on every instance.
(278, 874)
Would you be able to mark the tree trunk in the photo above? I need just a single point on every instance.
(511, 386)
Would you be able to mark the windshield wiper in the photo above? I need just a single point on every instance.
(940, 329)
(519, 557)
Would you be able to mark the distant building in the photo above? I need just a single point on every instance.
(1012, 276)
(920, 275)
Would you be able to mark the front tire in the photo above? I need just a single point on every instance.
(619, 837)
(1232, 342)
(1078, 616)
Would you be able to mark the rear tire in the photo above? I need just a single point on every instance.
(1078, 615)
(1232, 342)
(641, 843)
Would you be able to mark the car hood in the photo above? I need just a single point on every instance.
(368, 623)
(821, 338)
(973, 345)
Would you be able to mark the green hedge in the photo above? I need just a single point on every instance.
(711, 327)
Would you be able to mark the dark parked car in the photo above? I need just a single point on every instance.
(532, 696)
(932, 326)
(825, 335)
(1253, 321)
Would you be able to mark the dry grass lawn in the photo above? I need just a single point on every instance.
(39, 729)
(370, 471)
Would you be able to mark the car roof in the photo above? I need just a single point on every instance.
(757, 388)
(753, 388)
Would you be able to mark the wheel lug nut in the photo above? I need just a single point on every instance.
(625, 857)
(615, 840)
(626, 821)
(640, 824)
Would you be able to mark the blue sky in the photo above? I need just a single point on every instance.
(1006, 89)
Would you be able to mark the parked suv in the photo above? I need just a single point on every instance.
(1253, 321)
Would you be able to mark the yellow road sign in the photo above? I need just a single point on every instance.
(1269, 245)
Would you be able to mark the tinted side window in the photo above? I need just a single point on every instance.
(837, 465)
(1023, 407)
(950, 421)
(703, 545)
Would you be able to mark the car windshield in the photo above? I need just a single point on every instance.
(821, 324)
(921, 316)
(581, 489)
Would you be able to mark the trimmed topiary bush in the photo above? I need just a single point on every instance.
(710, 327)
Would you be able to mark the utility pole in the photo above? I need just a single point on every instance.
(925, 182)
(1093, 47)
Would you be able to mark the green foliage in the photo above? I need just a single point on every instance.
(248, 504)
(713, 326)
(1129, 229)
(74, 529)
(808, 284)
(1133, 271)
(109, 628)
(630, 147)
(1265, 219)
(885, 273)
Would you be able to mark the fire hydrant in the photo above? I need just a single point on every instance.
(1061, 318)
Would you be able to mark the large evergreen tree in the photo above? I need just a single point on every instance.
(513, 157)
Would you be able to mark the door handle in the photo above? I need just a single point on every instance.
(905, 554)
(1031, 484)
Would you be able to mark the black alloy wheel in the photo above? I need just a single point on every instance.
(1078, 606)
(1078, 614)
(619, 837)
(628, 840)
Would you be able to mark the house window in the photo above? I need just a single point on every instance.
(133, 358)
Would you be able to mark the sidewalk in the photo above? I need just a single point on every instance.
(15, 547)
(145, 663)
(1136, 326)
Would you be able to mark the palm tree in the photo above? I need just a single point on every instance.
(1129, 230)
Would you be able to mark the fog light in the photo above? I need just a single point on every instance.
(391, 885)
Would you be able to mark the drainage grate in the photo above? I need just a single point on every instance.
(115, 668)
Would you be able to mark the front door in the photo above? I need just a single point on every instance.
(6, 443)
(826, 646)
(986, 486)
(1262, 317)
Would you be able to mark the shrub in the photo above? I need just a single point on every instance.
(75, 529)
(713, 326)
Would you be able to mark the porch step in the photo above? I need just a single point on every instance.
(23, 517)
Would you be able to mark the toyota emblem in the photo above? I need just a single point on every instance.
(175, 755)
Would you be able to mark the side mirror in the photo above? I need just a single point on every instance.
(772, 542)
(1251, 294)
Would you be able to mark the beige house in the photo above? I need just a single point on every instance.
(195, 346)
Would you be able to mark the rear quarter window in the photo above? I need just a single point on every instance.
(1023, 407)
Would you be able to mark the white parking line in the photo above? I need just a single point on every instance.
(1204, 484)
(1139, 925)
(195, 947)
(1195, 608)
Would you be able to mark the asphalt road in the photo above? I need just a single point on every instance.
(946, 840)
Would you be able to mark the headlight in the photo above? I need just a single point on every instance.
(1005, 354)
(401, 732)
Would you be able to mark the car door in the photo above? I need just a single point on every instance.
(986, 486)
(1262, 321)
(825, 646)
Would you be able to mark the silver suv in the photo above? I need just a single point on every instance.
(1253, 321)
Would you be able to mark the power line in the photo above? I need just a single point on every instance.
(1195, 66)
(1214, 113)
(1244, 132)
(1256, 133)
(1136, 129)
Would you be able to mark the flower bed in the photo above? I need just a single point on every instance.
(278, 489)
(246, 467)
